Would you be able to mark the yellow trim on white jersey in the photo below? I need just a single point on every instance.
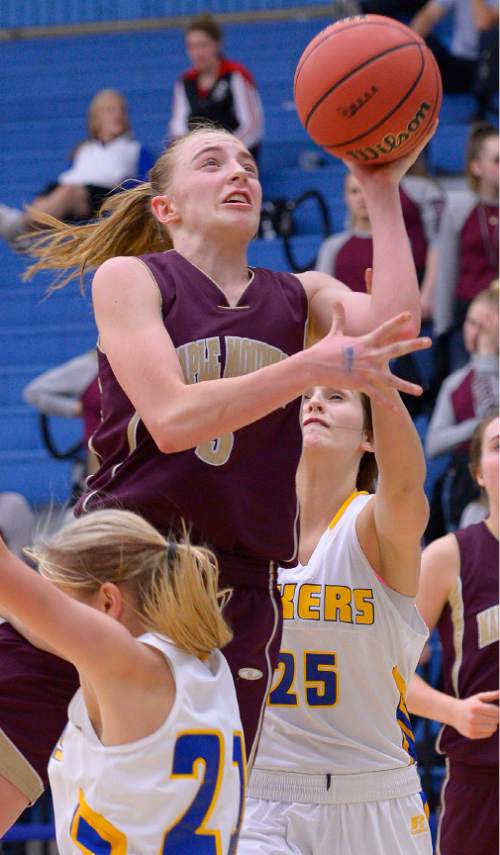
(345, 505)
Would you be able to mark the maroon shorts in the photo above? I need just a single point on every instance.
(254, 614)
(468, 823)
(35, 690)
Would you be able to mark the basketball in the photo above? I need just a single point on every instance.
(367, 89)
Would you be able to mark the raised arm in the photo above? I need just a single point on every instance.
(395, 285)
(391, 526)
(127, 307)
(477, 716)
(69, 628)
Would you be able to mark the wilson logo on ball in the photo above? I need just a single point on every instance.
(390, 142)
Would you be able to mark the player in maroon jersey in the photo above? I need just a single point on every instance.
(170, 319)
(458, 593)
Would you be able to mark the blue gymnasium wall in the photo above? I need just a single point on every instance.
(45, 87)
(36, 13)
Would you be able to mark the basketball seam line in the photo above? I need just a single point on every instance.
(353, 71)
(425, 127)
(389, 25)
(387, 116)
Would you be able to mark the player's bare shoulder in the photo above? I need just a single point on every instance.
(125, 279)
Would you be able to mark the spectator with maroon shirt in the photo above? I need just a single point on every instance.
(465, 397)
(458, 594)
(215, 89)
(468, 244)
(348, 254)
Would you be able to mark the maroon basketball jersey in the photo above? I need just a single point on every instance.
(237, 492)
(468, 629)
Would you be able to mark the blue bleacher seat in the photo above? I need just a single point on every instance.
(41, 13)
(447, 149)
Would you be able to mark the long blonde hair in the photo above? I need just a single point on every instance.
(125, 225)
(174, 585)
(489, 296)
(93, 111)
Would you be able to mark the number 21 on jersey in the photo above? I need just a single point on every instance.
(198, 755)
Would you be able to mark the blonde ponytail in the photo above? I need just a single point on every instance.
(125, 226)
(182, 601)
(173, 584)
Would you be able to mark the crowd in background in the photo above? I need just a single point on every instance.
(453, 233)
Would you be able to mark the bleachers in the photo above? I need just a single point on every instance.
(42, 13)
(41, 125)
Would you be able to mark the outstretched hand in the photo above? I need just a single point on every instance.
(362, 363)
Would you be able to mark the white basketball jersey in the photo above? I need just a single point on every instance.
(166, 793)
(350, 645)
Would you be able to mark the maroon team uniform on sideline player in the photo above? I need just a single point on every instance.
(469, 633)
(229, 489)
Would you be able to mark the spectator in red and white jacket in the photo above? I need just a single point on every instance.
(215, 89)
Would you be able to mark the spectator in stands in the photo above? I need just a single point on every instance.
(468, 244)
(108, 156)
(465, 398)
(70, 390)
(458, 593)
(17, 521)
(349, 253)
(215, 89)
(458, 63)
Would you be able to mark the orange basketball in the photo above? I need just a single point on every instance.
(367, 89)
